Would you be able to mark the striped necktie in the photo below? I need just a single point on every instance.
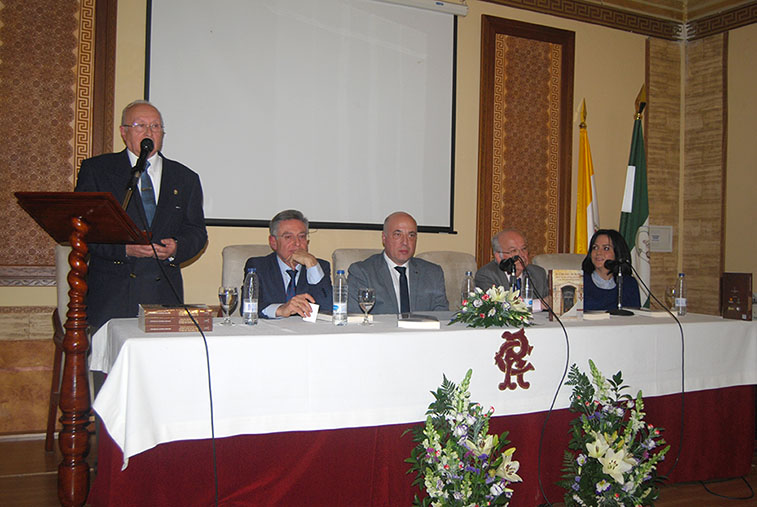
(148, 195)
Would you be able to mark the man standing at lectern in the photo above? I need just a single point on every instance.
(167, 202)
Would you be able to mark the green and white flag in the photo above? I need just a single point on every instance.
(634, 213)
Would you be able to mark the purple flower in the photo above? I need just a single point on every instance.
(602, 485)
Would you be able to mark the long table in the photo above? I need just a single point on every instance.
(312, 411)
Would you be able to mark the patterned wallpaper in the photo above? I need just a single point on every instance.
(46, 56)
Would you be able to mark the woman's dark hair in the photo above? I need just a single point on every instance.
(618, 245)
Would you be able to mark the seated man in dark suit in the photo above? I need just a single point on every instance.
(505, 245)
(290, 277)
(403, 284)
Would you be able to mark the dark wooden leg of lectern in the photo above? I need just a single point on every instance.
(73, 471)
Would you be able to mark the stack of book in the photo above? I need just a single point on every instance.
(174, 319)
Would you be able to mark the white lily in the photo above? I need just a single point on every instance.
(484, 447)
(597, 448)
(508, 468)
(616, 463)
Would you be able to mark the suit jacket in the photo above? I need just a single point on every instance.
(272, 283)
(117, 284)
(490, 274)
(426, 284)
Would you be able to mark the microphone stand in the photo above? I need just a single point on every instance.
(130, 189)
(620, 310)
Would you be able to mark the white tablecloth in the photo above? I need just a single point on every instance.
(289, 375)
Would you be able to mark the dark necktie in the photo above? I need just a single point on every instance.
(148, 195)
(404, 293)
(517, 283)
(291, 287)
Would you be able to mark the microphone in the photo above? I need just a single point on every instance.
(615, 266)
(612, 265)
(145, 148)
(508, 265)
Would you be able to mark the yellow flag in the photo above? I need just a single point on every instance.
(587, 218)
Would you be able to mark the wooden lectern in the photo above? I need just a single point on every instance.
(78, 218)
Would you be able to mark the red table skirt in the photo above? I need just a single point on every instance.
(365, 466)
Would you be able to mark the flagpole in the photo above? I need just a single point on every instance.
(587, 217)
(634, 216)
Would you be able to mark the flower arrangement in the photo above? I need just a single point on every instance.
(456, 461)
(495, 307)
(611, 458)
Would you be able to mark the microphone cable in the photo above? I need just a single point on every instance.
(559, 385)
(683, 370)
(143, 218)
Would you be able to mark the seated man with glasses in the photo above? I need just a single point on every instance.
(506, 245)
(290, 277)
(167, 202)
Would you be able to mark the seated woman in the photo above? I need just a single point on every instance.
(600, 284)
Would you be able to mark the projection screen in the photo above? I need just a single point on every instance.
(342, 109)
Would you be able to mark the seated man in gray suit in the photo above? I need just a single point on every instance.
(403, 284)
(290, 277)
(505, 245)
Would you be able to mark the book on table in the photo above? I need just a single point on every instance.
(174, 318)
(418, 321)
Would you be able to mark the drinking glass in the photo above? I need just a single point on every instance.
(366, 298)
(670, 298)
(228, 299)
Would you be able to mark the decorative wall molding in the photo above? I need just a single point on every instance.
(84, 87)
(652, 25)
(722, 22)
(601, 15)
(27, 276)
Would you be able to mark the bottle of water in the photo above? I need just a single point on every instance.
(681, 295)
(468, 287)
(250, 291)
(339, 310)
(527, 294)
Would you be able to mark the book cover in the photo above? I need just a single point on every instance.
(736, 296)
(567, 289)
(199, 309)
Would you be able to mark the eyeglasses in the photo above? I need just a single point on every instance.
(141, 127)
(515, 251)
(289, 237)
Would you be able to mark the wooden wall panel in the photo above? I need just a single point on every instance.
(663, 133)
(704, 170)
(525, 135)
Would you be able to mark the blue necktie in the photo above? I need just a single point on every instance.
(404, 293)
(148, 195)
(291, 286)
